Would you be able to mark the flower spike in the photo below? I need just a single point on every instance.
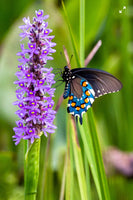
(34, 85)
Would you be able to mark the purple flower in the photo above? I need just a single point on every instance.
(34, 85)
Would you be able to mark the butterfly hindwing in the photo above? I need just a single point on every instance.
(81, 97)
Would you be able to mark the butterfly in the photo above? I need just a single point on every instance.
(83, 85)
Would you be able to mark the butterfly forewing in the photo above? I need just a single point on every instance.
(102, 82)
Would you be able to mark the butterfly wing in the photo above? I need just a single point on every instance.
(81, 97)
(102, 82)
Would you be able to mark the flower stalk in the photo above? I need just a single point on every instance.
(32, 170)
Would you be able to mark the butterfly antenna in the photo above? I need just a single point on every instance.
(69, 64)
(71, 58)
(66, 57)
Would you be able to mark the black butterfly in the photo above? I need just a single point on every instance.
(83, 85)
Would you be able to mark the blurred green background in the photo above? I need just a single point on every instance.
(107, 20)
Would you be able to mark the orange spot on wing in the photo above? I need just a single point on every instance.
(87, 92)
(84, 84)
(73, 104)
(86, 100)
(77, 108)
(83, 105)
(70, 97)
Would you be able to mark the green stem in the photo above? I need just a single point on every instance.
(45, 167)
(25, 151)
(31, 170)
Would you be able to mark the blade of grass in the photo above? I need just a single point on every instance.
(82, 32)
(92, 147)
(98, 157)
(93, 154)
(78, 163)
(101, 181)
(88, 145)
(87, 174)
(70, 166)
(71, 35)
(63, 179)
(82, 48)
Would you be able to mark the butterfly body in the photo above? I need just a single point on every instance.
(83, 85)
